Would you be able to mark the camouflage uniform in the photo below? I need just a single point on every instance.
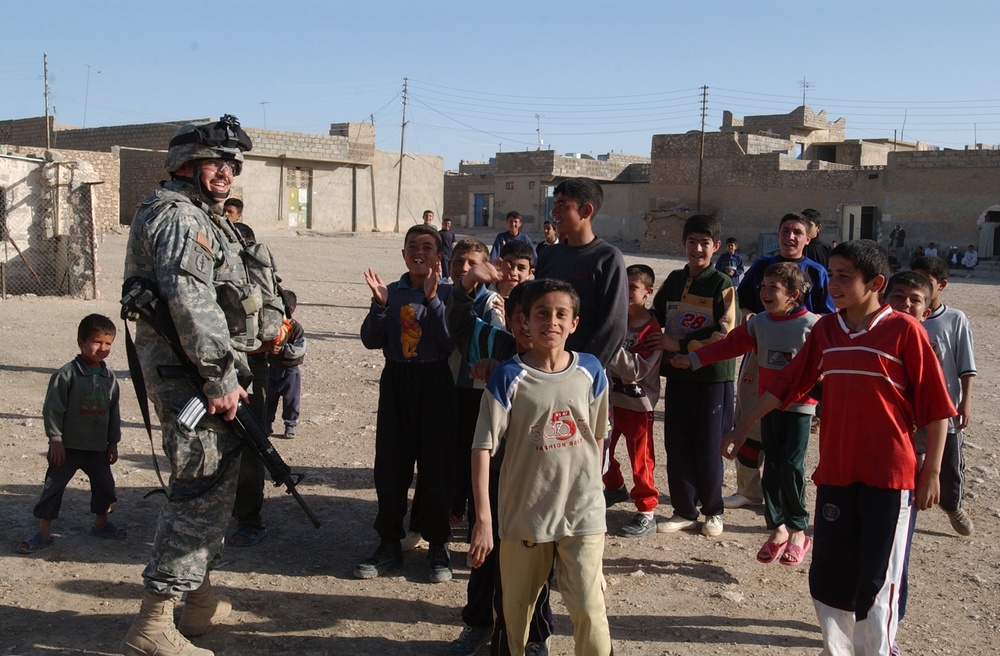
(192, 254)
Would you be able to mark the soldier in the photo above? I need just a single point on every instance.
(182, 247)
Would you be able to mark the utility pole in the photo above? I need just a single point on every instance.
(538, 130)
(701, 155)
(45, 75)
(402, 135)
(263, 108)
(805, 85)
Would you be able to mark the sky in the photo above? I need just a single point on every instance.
(481, 77)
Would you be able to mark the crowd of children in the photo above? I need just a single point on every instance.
(510, 378)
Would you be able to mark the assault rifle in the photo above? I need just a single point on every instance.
(140, 303)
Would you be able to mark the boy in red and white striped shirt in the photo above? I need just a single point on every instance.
(880, 379)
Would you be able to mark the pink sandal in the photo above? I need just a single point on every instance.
(771, 551)
(794, 554)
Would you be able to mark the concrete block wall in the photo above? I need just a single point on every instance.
(423, 188)
(297, 145)
(24, 131)
(459, 196)
(475, 168)
(141, 173)
(154, 136)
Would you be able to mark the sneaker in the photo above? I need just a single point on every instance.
(471, 642)
(961, 522)
(289, 432)
(712, 527)
(675, 523)
(440, 562)
(738, 501)
(387, 557)
(611, 497)
(640, 526)
(536, 649)
(412, 540)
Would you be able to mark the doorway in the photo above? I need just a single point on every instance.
(482, 209)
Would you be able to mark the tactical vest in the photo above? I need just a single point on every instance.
(263, 273)
(236, 294)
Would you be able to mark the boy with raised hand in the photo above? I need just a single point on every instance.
(880, 379)
(950, 332)
(635, 390)
(82, 422)
(469, 254)
(517, 264)
(548, 410)
(794, 232)
(513, 233)
(594, 268)
(696, 306)
(416, 404)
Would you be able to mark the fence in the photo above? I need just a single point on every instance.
(47, 230)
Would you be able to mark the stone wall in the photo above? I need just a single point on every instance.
(106, 167)
(48, 215)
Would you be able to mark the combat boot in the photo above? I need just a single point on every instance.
(154, 633)
(202, 607)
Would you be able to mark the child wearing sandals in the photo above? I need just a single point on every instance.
(83, 427)
(776, 336)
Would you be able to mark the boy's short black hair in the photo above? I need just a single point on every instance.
(866, 255)
(514, 214)
(703, 224)
(424, 229)
(549, 224)
(519, 250)
(932, 265)
(583, 191)
(290, 300)
(543, 286)
(911, 280)
(644, 272)
(472, 245)
(95, 323)
(246, 232)
(234, 202)
(794, 216)
(514, 300)
(812, 216)
(732, 240)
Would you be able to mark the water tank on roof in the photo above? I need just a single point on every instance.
(579, 156)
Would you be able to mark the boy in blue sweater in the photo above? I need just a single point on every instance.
(416, 404)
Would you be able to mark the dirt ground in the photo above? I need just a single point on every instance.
(294, 592)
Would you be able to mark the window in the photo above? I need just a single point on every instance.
(531, 184)
(510, 186)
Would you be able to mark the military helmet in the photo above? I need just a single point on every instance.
(222, 139)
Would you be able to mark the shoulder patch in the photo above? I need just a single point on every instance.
(198, 259)
(203, 241)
